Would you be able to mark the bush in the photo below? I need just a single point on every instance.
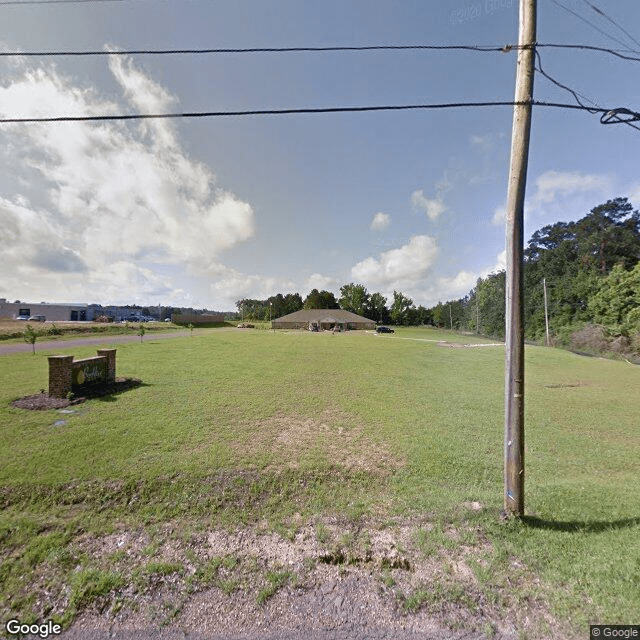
(54, 330)
(591, 338)
(621, 345)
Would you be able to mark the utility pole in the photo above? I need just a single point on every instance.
(514, 329)
(450, 317)
(546, 314)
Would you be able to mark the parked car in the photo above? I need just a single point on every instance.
(36, 318)
(22, 318)
(384, 330)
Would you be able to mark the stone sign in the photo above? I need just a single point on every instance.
(67, 375)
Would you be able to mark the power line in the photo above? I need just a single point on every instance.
(313, 110)
(577, 15)
(16, 2)
(612, 21)
(620, 53)
(507, 48)
(611, 117)
(573, 92)
(138, 52)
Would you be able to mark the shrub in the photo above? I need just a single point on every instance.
(621, 345)
(591, 338)
(54, 330)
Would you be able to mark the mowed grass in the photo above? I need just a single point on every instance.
(232, 427)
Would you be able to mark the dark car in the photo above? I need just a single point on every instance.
(37, 318)
(384, 330)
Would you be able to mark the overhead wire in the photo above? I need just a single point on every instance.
(311, 110)
(609, 117)
(611, 20)
(17, 2)
(577, 15)
(138, 52)
(506, 48)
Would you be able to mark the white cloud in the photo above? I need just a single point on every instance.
(320, 282)
(380, 221)
(634, 195)
(433, 207)
(551, 187)
(553, 184)
(499, 215)
(406, 264)
(453, 287)
(480, 141)
(117, 194)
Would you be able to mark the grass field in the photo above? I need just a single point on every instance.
(278, 431)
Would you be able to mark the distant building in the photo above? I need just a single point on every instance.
(323, 320)
(197, 318)
(59, 312)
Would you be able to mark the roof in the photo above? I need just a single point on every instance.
(322, 315)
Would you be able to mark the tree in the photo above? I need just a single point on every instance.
(320, 300)
(376, 309)
(399, 308)
(610, 235)
(292, 303)
(354, 298)
(278, 306)
(617, 297)
(30, 337)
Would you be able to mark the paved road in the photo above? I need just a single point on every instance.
(84, 342)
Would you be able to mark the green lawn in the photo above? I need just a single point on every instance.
(232, 428)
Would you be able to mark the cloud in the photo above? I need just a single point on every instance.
(433, 207)
(553, 184)
(409, 263)
(456, 286)
(551, 187)
(634, 195)
(114, 194)
(499, 215)
(320, 282)
(380, 221)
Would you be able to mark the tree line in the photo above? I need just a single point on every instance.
(591, 269)
(353, 297)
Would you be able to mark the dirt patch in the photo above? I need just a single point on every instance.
(333, 435)
(42, 401)
(457, 345)
(345, 576)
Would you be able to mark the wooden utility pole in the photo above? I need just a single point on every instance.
(546, 314)
(514, 318)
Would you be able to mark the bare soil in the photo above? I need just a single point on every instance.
(43, 401)
(372, 575)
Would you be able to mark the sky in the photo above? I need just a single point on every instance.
(203, 212)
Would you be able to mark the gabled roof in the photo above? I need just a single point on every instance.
(322, 315)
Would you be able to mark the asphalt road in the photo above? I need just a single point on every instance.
(50, 345)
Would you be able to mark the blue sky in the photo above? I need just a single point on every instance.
(204, 212)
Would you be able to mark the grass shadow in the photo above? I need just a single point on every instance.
(593, 526)
(107, 392)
